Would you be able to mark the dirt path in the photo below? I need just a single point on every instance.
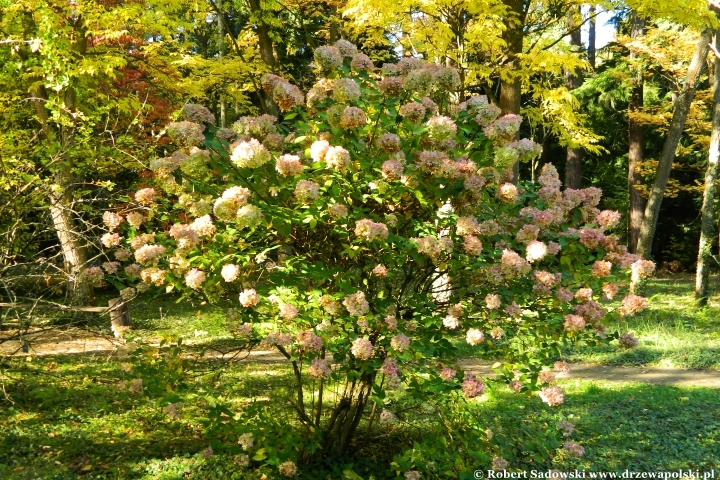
(80, 342)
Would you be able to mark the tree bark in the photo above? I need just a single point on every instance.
(636, 142)
(263, 32)
(591, 38)
(573, 79)
(511, 90)
(677, 125)
(72, 245)
(265, 45)
(707, 229)
(221, 54)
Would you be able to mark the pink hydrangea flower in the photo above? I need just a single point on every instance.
(642, 269)
(249, 298)
(319, 368)
(535, 251)
(610, 290)
(380, 271)
(287, 469)
(553, 396)
(346, 90)
(148, 254)
(250, 154)
(451, 322)
(474, 336)
(493, 301)
(353, 117)
(356, 304)
(607, 219)
(472, 245)
(112, 220)
(307, 191)
(288, 165)
(392, 170)
(447, 374)
(338, 210)
(288, 311)
(194, 278)
(628, 340)
(472, 387)
(111, 267)
(400, 342)
(319, 149)
(110, 240)
(136, 219)
(601, 268)
(389, 367)
(230, 272)
(565, 295)
(632, 304)
(362, 348)
(287, 95)
(309, 340)
(369, 230)
(573, 449)
(574, 323)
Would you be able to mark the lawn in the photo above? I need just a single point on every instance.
(69, 417)
(672, 332)
(72, 416)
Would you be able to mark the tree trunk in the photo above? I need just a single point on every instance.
(267, 55)
(511, 90)
(347, 414)
(636, 142)
(119, 316)
(591, 38)
(221, 54)
(71, 245)
(682, 106)
(334, 24)
(573, 79)
(707, 231)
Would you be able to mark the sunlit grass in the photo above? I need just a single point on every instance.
(71, 418)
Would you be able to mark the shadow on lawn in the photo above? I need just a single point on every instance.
(57, 432)
(635, 427)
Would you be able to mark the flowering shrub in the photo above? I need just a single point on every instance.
(372, 224)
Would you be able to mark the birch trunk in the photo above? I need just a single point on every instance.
(707, 231)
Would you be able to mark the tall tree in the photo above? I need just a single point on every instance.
(84, 75)
(707, 231)
(677, 125)
(573, 164)
(636, 140)
(592, 42)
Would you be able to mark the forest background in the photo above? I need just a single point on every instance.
(88, 87)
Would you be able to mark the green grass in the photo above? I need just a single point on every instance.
(672, 332)
(625, 425)
(70, 419)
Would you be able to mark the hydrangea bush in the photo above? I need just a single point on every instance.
(359, 235)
